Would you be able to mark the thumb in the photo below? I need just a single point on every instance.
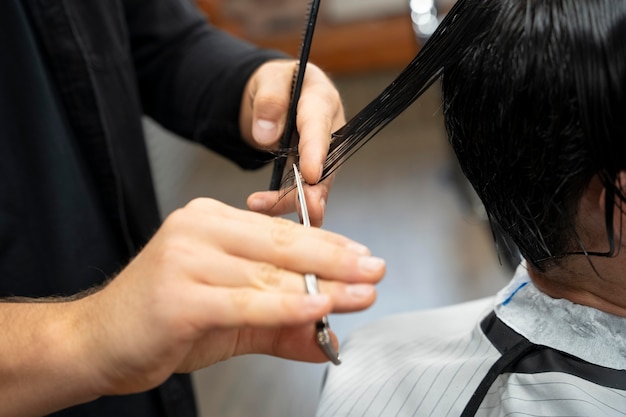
(264, 131)
(271, 91)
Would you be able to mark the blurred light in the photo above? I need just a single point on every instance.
(425, 17)
(422, 6)
(425, 24)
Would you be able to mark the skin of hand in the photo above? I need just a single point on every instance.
(216, 282)
(319, 113)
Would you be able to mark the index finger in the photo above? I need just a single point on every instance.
(284, 243)
(320, 112)
(245, 223)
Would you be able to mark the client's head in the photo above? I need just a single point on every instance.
(535, 108)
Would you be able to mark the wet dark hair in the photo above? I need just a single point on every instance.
(534, 102)
(534, 108)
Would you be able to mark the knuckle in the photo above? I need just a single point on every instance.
(268, 276)
(270, 104)
(283, 232)
(195, 204)
(242, 300)
(175, 221)
(201, 203)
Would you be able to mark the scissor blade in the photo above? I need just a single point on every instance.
(322, 335)
(304, 211)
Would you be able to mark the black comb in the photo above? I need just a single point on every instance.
(290, 136)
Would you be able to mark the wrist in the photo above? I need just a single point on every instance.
(43, 367)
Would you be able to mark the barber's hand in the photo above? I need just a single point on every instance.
(215, 282)
(320, 113)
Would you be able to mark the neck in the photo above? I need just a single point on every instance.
(598, 287)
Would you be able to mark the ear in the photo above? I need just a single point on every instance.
(619, 209)
(620, 184)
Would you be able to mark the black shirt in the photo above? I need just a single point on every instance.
(54, 236)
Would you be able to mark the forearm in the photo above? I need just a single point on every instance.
(43, 367)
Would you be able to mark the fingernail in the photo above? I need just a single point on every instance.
(360, 290)
(264, 132)
(256, 204)
(323, 206)
(371, 264)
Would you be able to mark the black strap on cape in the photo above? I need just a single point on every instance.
(520, 355)
(501, 366)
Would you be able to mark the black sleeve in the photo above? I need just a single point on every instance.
(192, 75)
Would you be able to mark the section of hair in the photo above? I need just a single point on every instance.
(410, 84)
(460, 23)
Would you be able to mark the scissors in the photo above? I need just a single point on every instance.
(322, 336)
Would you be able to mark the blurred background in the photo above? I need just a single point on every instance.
(400, 195)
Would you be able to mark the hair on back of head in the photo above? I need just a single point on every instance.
(532, 107)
